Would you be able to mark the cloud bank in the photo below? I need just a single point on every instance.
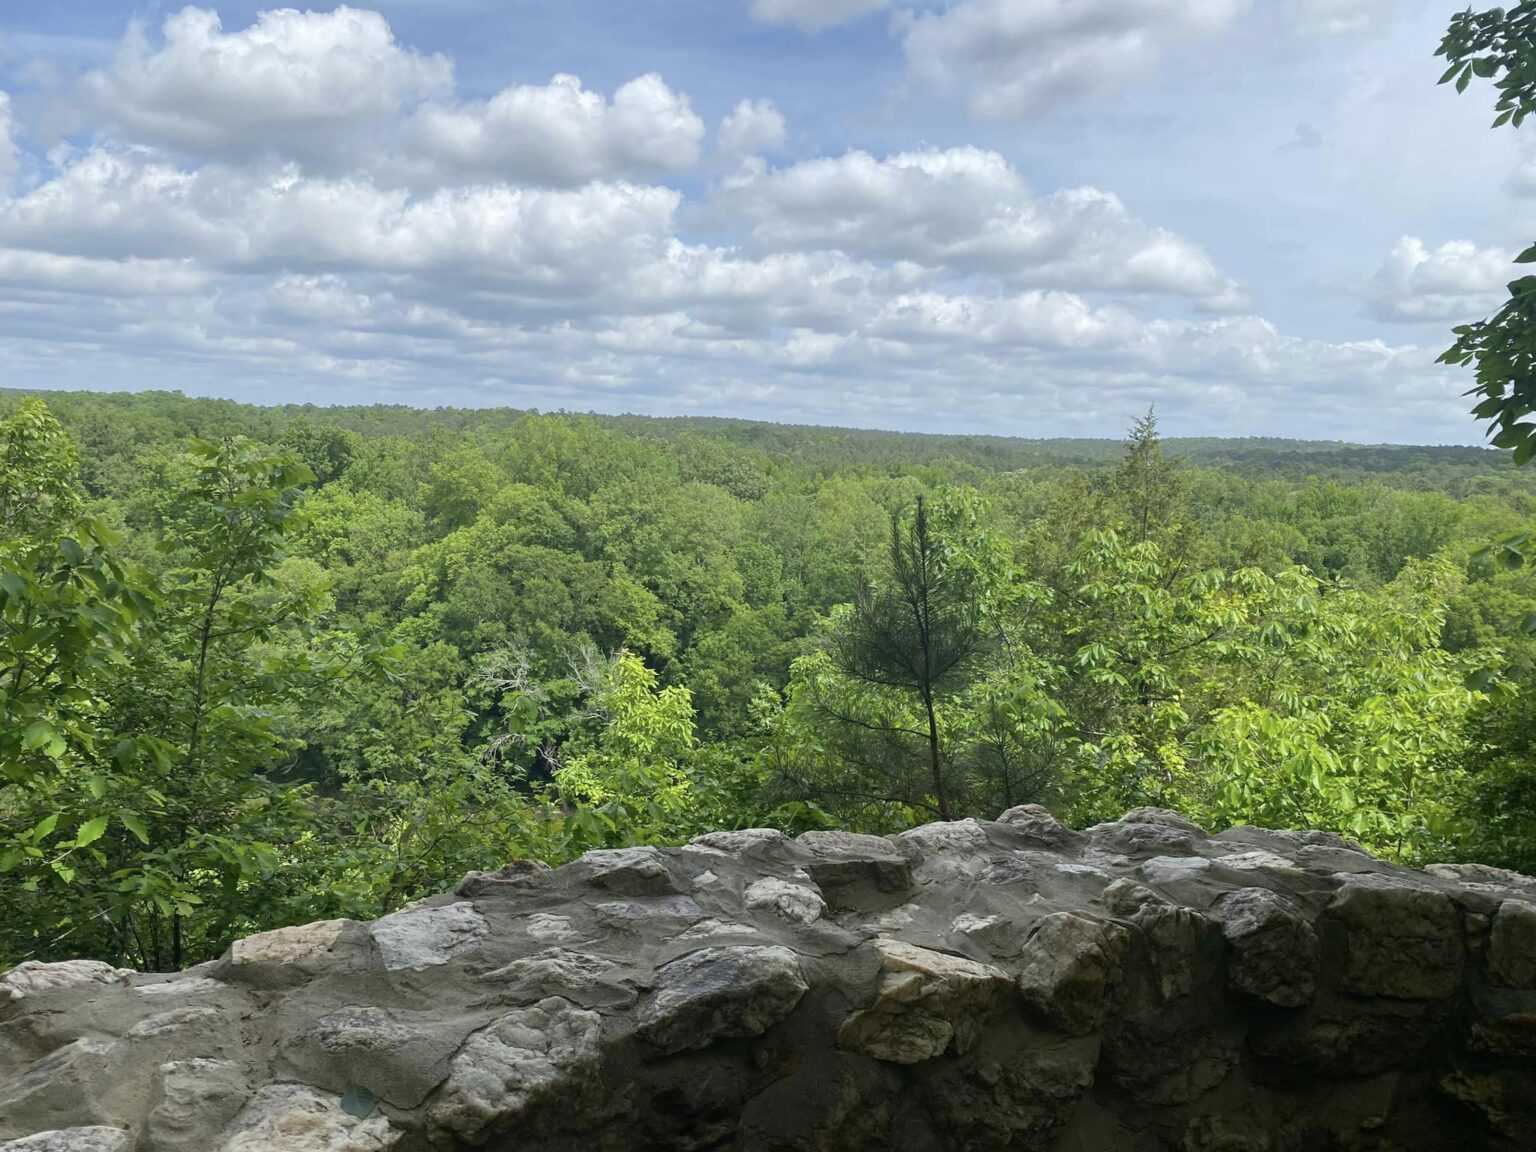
(308, 206)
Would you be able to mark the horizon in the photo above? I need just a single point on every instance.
(888, 214)
(1172, 439)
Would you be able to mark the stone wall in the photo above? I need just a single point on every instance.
(970, 985)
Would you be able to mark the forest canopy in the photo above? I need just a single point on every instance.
(266, 665)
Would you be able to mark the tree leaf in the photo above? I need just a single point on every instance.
(91, 831)
(37, 734)
(135, 824)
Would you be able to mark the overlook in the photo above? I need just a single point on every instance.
(302, 667)
(768, 576)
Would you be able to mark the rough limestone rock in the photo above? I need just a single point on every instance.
(715, 992)
(795, 902)
(927, 1003)
(1274, 948)
(198, 1098)
(546, 1054)
(968, 986)
(73, 1140)
(297, 1118)
(426, 937)
(1512, 946)
(1069, 965)
(32, 978)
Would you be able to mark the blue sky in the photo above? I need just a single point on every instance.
(1033, 217)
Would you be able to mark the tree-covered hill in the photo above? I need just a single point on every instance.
(168, 414)
(265, 665)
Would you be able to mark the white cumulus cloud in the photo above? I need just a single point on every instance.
(126, 206)
(560, 133)
(1456, 281)
(291, 78)
(752, 128)
(968, 210)
(1012, 58)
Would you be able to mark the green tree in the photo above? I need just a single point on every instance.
(627, 782)
(1148, 484)
(905, 647)
(1019, 745)
(457, 487)
(214, 686)
(327, 452)
(1499, 44)
(39, 474)
(70, 614)
(1137, 646)
(1355, 719)
(408, 796)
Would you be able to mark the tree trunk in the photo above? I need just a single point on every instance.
(935, 765)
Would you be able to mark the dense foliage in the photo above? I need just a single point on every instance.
(1499, 44)
(259, 666)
